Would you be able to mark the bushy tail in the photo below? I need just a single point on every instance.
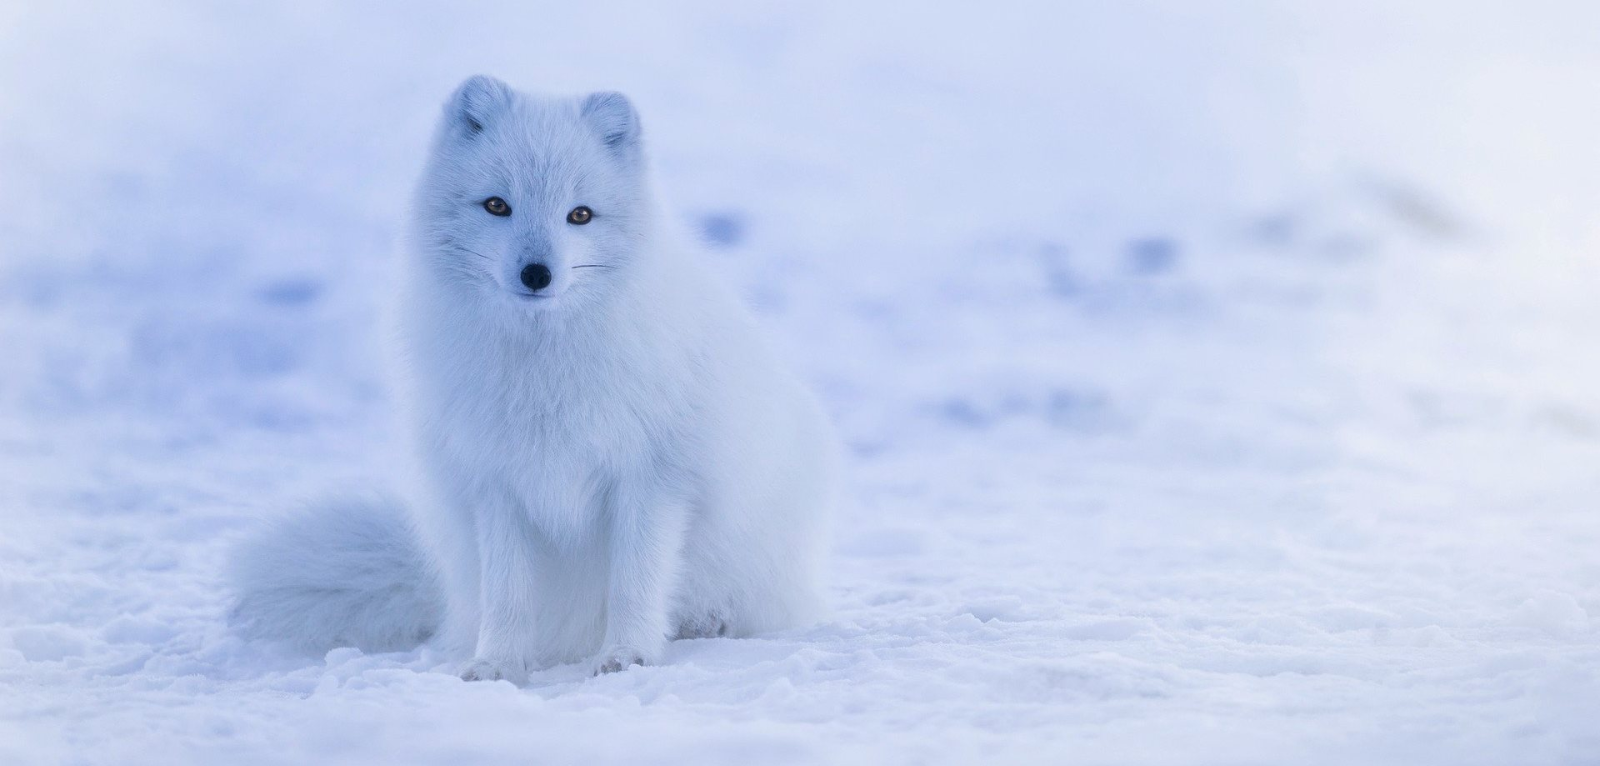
(349, 573)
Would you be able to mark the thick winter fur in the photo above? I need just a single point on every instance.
(345, 574)
(607, 463)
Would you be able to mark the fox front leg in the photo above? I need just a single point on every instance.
(506, 553)
(646, 540)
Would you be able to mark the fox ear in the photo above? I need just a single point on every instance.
(611, 115)
(476, 103)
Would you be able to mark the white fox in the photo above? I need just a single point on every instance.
(609, 456)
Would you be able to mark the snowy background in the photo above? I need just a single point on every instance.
(1219, 378)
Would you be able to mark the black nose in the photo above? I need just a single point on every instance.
(536, 276)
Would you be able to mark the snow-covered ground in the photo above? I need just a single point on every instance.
(1220, 379)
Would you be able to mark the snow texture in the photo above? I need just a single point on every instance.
(1218, 379)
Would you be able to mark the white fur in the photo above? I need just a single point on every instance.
(617, 460)
(346, 574)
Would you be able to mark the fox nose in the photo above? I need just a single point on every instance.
(536, 276)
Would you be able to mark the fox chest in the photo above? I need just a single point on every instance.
(551, 441)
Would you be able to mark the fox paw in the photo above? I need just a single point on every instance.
(481, 669)
(618, 659)
(709, 626)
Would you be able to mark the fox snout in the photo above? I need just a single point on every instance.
(535, 276)
(532, 272)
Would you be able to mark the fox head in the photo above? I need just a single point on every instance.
(532, 200)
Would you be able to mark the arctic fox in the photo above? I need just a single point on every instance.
(609, 455)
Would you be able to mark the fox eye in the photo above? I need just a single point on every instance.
(580, 215)
(497, 206)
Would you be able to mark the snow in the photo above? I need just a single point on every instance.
(1218, 378)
